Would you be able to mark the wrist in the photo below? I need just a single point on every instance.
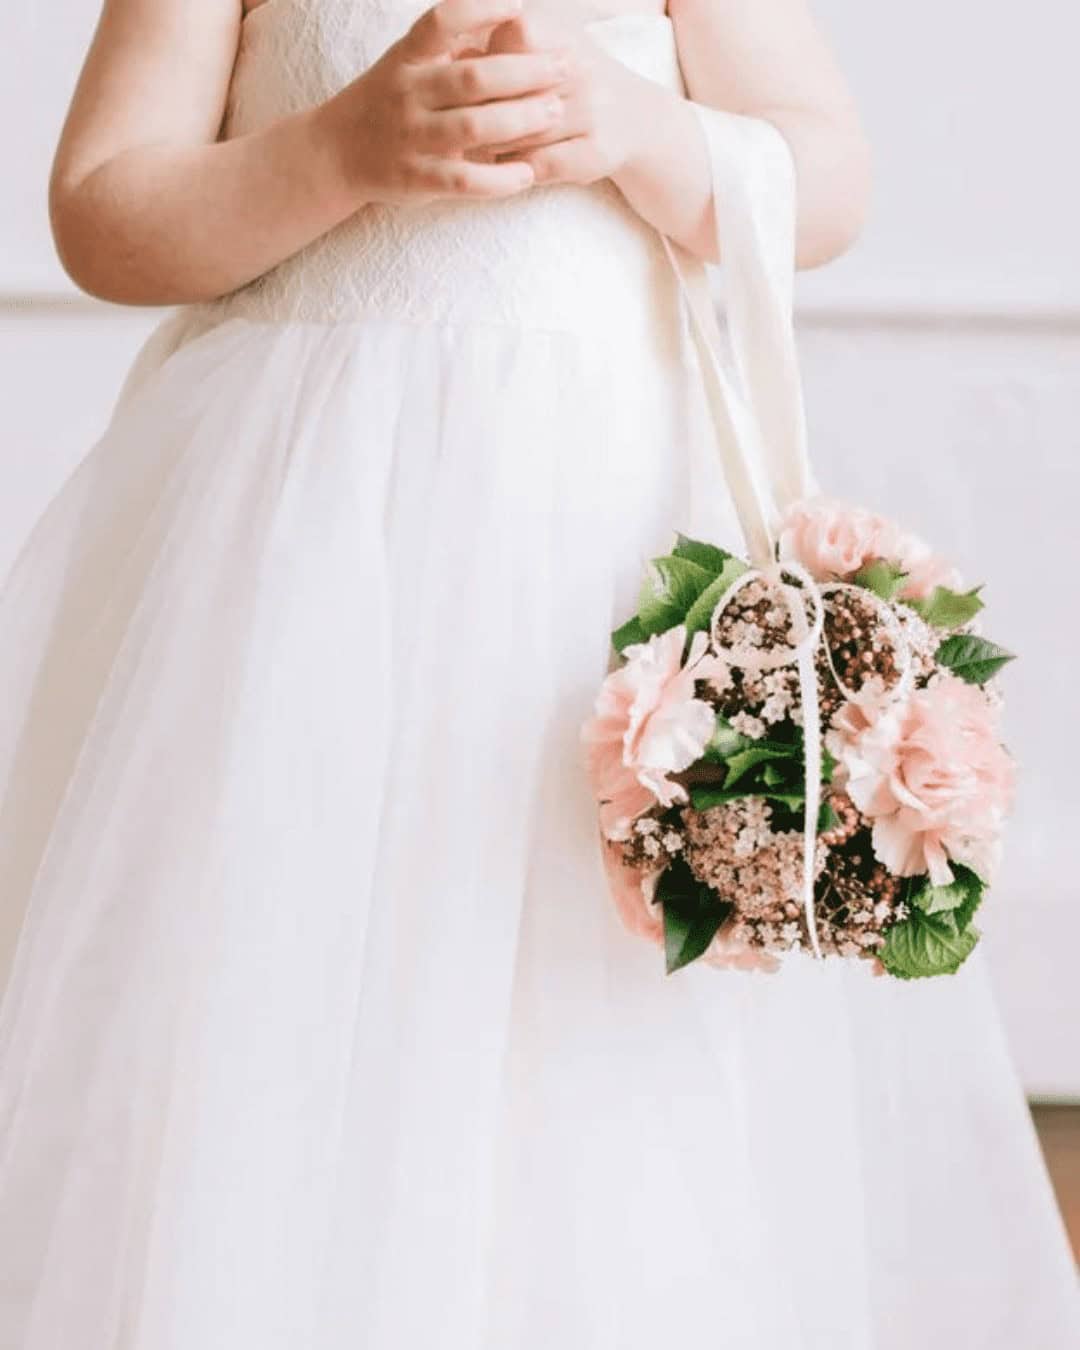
(323, 142)
(645, 114)
(667, 177)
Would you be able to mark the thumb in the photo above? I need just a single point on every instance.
(442, 29)
(518, 34)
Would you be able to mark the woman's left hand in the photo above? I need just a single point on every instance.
(603, 103)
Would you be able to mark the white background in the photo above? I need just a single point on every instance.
(942, 364)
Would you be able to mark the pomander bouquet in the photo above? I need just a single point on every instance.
(803, 757)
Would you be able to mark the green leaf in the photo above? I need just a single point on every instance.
(725, 741)
(883, 578)
(630, 632)
(788, 813)
(972, 658)
(670, 587)
(692, 914)
(945, 608)
(965, 912)
(705, 555)
(699, 615)
(792, 801)
(827, 818)
(701, 798)
(745, 760)
(924, 945)
(960, 897)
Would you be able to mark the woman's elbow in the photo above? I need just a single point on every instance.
(93, 245)
(835, 193)
(75, 237)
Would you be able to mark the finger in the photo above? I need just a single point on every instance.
(472, 43)
(521, 34)
(572, 161)
(441, 27)
(514, 149)
(488, 123)
(465, 82)
(569, 127)
(463, 178)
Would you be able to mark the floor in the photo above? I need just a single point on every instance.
(1059, 1130)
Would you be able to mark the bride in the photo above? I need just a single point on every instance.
(318, 1031)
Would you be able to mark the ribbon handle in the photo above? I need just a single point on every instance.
(759, 417)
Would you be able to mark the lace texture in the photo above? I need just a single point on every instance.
(558, 257)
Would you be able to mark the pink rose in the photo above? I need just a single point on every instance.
(648, 725)
(932, 775)
(833, 541)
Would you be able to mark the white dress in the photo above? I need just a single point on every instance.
(321, 1032)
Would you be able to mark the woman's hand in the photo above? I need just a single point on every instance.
(603, 104)
(765, 59)
(416, 125)
(151, 205)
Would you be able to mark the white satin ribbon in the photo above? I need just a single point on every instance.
(759, 417)
(901, 644)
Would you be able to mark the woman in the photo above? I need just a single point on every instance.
(319, 1031)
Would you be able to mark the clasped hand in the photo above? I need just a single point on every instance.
(481, 100)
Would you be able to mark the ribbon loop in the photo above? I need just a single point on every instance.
(808, 635)
(809, 639)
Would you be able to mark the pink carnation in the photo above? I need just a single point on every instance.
(932, 775)
(830, 538)
(633, 889)
(730, 951)
(924, 569)
(647, 726)
(833, 540)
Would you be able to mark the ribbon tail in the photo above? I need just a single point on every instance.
(811, 712)
(807, 637)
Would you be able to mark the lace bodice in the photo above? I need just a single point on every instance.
(557, 257)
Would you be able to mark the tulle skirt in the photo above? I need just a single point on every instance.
(321, 1032)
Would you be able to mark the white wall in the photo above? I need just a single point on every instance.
(942, 367)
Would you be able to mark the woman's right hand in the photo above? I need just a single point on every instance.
(409, 127)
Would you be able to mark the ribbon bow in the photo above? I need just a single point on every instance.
(809, 635)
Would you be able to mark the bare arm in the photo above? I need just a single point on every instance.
(148, 207)
(764, 58)
(145, 207)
